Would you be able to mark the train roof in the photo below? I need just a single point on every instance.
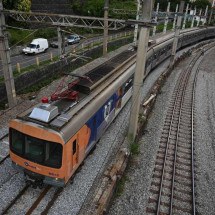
(58, 113)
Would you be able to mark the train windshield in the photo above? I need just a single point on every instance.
(36, 150)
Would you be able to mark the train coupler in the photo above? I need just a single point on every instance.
(35, 183)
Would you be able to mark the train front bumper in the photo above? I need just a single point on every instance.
(34, 177)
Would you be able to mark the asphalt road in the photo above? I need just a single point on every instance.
(28, 60)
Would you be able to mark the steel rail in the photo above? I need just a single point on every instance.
(177, 98)
(38, 200)
(192, 146)
(188, 73)
(15, 199)
(168, 140)
(7, 156)
(52, 201)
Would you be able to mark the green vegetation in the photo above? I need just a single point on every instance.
(96, 7)
(22, 5)
(20, 37)
(40, 85)
(120, 185)
(126, 5)
(34, 67)
(134, 148)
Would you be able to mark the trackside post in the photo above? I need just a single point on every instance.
(140, 68)
(177, 33)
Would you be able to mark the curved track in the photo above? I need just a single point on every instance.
(172, 189)
(4, 148)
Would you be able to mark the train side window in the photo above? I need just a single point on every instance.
(107, 109)
(128, 85)
(74, 147)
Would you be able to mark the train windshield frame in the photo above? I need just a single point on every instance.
(39, 151)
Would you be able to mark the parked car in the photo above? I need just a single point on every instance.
(74, 38)
(36, 46)
(55, 44)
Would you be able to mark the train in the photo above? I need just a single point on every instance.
(49, 141)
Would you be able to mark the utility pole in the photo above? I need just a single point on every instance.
(136, 25)
(61, 42)
(206, 13)
(6, 62)
(105, 40)
(59, 36)
(177, 33)
(175, 17)
(156, 18)
(185, 17)
(200, 14)
(166, 18)
(140, 68)
(211, 14)
(193, 19)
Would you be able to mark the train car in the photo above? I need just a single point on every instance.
(49, 141)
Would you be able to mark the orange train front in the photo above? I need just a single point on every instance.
(43, 155)
(49, 141)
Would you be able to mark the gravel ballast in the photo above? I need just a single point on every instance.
(134, 198)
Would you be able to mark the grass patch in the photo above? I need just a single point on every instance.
(133, 145)
(135, 148)
(33, 67)
(25, 36)
(120, 185)
(16, 73)
(38, 86)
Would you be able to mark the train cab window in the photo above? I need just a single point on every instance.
(36, 150)
(74, 147)
(17, 141)
(53, 155)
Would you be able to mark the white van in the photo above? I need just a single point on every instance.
(36, 46)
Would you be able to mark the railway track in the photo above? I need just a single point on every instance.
(173, 184)
(4, 148)
(24, 192)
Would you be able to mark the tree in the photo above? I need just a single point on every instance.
(96, 7)
(90, 7)
(201, 4)
(22, 5)
(8, 4)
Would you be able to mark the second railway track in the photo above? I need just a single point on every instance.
(173, 184)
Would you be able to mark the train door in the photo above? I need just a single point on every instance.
(75, 152)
